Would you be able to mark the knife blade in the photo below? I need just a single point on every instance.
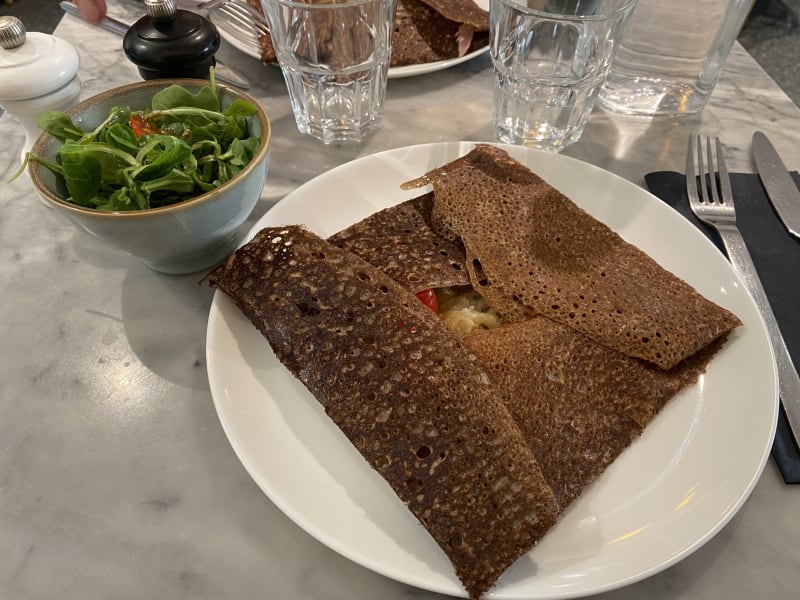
(779, 184)
(222, 71)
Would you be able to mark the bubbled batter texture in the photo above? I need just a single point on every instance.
(422, 34)
(532, 251)
(489, 438)
(579, 404)
(400, 243)
(410, 396)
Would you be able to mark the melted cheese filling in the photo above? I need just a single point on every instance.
(463, 309)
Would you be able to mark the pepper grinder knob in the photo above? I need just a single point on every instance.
(38, 72)
(12, 32)
(170, 42)
(160, 9)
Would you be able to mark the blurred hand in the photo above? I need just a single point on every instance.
(92, 10)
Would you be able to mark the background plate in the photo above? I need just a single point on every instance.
(394, 72)
(666, 495)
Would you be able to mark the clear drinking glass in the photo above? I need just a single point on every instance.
(550, 58)
(671, 55)
(334, 55)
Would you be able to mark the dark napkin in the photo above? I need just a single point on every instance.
(776, 255)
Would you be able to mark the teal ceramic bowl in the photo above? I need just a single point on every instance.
(187, 237)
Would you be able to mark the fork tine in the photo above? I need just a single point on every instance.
(244, 12)
(245, 20)
(712, 177)
(691, 176)
(209, 5)
(724, 176)
(247, 10)
(705, 172)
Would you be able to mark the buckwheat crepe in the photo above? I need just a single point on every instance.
(578, 403)
(409, 396)
(399, 242)
(488, 437)
(532, 251)
(425, 31)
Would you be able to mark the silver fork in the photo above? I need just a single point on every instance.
(712, 202)
(239, 19)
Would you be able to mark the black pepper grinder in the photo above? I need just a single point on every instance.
(168, 42)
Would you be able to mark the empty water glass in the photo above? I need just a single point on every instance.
(550, 59)
(334, 55)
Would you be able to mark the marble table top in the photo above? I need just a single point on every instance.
(116, 478)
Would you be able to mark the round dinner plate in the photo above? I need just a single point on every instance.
(394, 72)
(666, 495)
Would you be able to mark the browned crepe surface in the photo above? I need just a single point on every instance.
(532, 251)
(461, 11)
(400, 243)
(265, 41)
(579, 404)
(535, 401)
(421, 33)
(410, 397)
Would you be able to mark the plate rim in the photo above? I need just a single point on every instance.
(723, 519)
(399, 72)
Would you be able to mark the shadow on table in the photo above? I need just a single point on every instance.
(165, 320)
(164, 316)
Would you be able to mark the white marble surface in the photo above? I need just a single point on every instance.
(116, 479)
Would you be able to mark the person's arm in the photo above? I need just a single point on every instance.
(92, 10)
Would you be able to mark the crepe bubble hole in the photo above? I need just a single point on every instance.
(413, 484)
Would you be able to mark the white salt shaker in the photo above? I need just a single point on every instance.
(38, 72)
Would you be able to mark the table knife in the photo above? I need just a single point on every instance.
(779, 184)
(221, 71)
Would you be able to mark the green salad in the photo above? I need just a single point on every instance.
(181, 146)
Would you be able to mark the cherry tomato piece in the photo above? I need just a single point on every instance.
(140, 125)
(428, 298)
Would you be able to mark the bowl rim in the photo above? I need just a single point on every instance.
(209, 196)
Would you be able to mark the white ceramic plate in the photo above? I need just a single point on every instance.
(669, 493)
(394, 72)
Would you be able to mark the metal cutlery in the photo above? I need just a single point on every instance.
(780, 186)
(222, 71)
(711, 200)
(238, 19)
(238, 10)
